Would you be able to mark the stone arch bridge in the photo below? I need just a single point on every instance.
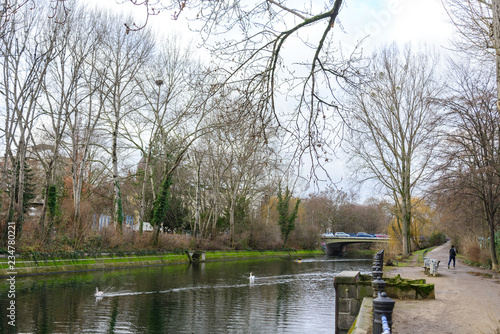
(338, 245)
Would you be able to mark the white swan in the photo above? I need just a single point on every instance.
(98, 293)
(251, 278)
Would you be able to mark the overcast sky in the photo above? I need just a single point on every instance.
(384, 21)
(401, 21)
(379, 22)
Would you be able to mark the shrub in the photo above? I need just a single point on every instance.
(470, 248)
(265, 236)
(174, 241)
(436, 238)
(304, 237)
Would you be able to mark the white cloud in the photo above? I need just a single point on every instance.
(400, 21)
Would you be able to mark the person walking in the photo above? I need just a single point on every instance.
(453, 253)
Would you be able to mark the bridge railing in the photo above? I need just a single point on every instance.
(353, 236)
(382, 305)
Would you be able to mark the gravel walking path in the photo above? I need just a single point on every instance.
(467, 300)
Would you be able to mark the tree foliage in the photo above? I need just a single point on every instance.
(161, 207)
(286, 219)
(162, 203)
(53, 201)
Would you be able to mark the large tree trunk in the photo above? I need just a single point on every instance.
(18, 201)
(490, 219)
(231, 218)
(493, 252)
(143, 191)
(496, 35)
(117, 208)
(197, 223)
(406, 212)
(216, 209)
(406, 220)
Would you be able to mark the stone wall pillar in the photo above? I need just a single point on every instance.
(348, 299)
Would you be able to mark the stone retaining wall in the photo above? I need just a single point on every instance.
(351, 288)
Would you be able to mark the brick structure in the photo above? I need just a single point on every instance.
(349, 294)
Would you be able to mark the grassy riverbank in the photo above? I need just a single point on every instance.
(36, 265)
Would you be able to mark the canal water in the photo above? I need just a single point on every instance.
(213, 297)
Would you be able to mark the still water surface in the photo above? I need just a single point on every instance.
(216, 297)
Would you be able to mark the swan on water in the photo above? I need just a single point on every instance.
(98, 293)
(251, 277)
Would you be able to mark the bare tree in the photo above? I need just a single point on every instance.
(12, 7)
(25, 53)
(123, 55)
(234, 160)
(472, 151)
(256, 44)
(63, 80)
(474, 24)
(167, 86)
(87, 103)
(478, 23)
(394, 126)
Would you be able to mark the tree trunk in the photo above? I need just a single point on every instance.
(117, 208)
(492, 247)
(406, 220)
(406, 202)
(215, 201)
(231, 218)
(496, 34)
(216, 209)
(143, 191)
(493, 253)
(197, 200)
(41, 222)
(19, 202)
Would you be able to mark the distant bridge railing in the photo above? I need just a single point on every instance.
(335, 245)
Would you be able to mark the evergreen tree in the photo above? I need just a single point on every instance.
(160, 207)
(53, 203)
(177, 213)
(27, 196)
(286, 219)
(29, 187)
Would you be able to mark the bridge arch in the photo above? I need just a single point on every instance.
(338, 245)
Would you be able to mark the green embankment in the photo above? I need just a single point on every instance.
(34, 266)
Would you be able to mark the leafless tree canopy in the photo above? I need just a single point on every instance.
(471, 154)
(394, 123)
(473, 20)
(283, 55)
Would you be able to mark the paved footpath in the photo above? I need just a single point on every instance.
(467, 300)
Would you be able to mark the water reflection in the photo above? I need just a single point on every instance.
(285, 297)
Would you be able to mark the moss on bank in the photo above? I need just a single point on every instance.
(34, 266)
(402, 288)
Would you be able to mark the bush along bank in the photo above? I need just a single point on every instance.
(42, 263)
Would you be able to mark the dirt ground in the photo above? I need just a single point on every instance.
(467, 300)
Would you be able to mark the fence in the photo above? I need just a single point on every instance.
(382, 305)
